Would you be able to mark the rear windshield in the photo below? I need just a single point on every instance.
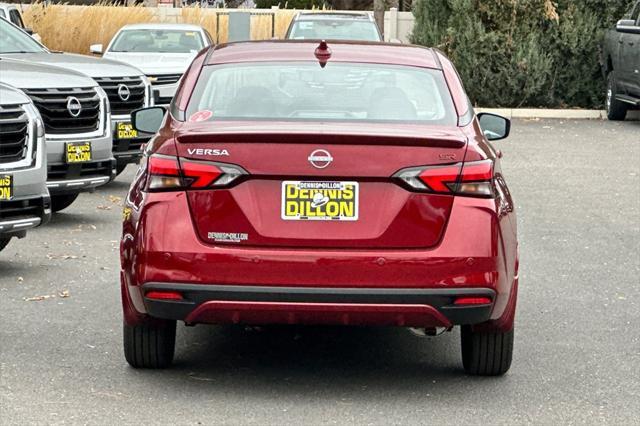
(335, 29)
(167, 41)
(304, 91)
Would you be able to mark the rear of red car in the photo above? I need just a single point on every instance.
(300, 184)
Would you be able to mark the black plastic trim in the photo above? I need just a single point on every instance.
(441, 299)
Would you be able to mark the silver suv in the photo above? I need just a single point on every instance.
(75, 113)
(24, 199)
(126, 86)
(334, 26)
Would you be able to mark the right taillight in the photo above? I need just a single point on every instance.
(473, 179)
(167, 173)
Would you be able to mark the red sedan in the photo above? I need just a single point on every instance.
(313, 183)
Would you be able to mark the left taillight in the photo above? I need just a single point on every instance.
(172, 173)
(474, 179)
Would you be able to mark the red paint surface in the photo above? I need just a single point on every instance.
(403, 239)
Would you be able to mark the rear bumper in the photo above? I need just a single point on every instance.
(300, 305)
(160, 247)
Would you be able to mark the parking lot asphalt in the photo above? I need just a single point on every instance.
(577, 346)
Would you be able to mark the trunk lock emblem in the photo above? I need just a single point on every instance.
(320, 158)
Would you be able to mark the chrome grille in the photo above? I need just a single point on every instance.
(56, 115)
(159, 80)
(122, 105)
(13, 133)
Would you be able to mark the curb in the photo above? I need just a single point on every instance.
(577, 114)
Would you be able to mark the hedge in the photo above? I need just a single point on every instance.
(522, 53)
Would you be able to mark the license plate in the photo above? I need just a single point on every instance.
(6, 187)
(78, 152)
(306, 200)
(126, 131)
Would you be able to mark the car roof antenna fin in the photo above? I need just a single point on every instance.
(323, 53)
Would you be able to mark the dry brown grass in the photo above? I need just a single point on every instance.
(75, 28)
(206, 19)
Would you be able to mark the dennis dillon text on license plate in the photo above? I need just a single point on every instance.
(312, 200)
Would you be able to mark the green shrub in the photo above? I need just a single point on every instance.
(513, 53)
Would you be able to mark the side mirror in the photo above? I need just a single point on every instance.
(494, 127)
(627, 26)
(96, 49)
(147, 120)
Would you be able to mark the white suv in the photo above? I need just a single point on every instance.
(75, 113)
(162, 51)
(126, 86)
(24, 199)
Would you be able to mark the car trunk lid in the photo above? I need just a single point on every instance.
(292, 170)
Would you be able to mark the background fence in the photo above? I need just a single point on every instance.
(74, 28)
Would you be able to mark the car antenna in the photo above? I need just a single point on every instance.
(323, 53)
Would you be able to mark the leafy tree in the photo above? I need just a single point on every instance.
(513, 53)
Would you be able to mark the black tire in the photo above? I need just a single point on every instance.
(61, 202)
(150, 345)
(616, 110)
(486, 354)
(4, 242)
(120, 168)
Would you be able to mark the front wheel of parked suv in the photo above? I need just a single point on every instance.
(61, 202)
(150, 345)
(486, 353)
(4, 242)
(616, 110)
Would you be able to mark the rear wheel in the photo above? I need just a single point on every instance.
(4, 242)
(616, 110)
(485, 353)
(61, 202)
(150, 345)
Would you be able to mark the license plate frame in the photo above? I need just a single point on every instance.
(125, 131)
(338, 201)
(77, 152)
(6, 187)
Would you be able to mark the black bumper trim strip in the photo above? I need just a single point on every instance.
(441, 299)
